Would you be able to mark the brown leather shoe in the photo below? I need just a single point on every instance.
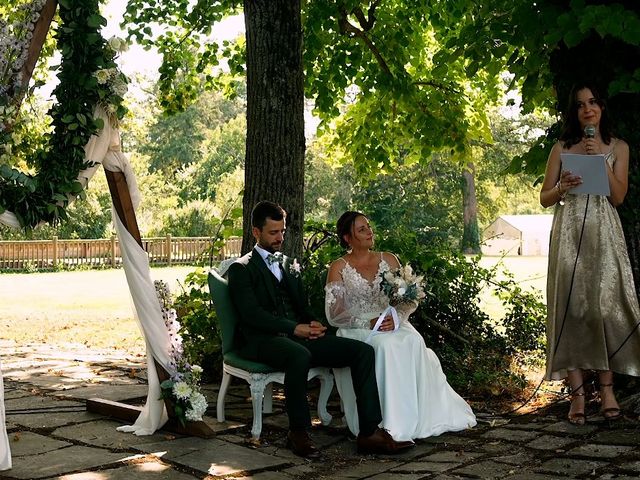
(301, 444)
(381, 442)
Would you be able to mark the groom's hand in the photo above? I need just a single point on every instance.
(311, 330)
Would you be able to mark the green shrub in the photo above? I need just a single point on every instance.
(199, 325)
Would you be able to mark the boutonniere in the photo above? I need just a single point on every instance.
(294, 268)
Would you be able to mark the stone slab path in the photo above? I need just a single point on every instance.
(53, 436)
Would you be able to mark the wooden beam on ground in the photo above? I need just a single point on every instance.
(124, 208)
(121, 411)
(129, 413)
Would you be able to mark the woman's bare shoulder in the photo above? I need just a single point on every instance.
(391, 259)
(620, 146)
(335, 269)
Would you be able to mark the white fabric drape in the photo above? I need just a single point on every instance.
(5, 450)
(149, 316)
(104, 148)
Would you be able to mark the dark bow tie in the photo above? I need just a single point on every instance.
(276, 257)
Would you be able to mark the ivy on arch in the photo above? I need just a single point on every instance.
(88, 77)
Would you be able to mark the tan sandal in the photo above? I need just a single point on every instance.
(576, 418)
(611, 413)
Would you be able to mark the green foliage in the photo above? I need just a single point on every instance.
(380, 57)
(190, 58)
(328, 187)
(477, 353)
(43, 196)
(547, 46)
(205, 121)
(321, 249)
(199, 325)
(391, 201)
(220, 154)
(198, 218)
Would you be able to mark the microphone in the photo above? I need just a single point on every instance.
(589, 131)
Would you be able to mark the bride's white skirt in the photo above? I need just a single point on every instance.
(416, 400)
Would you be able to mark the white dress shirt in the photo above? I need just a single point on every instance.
(274, 267)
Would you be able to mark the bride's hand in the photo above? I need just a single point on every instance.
(387, 324)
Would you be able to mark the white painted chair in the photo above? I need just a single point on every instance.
(259, 376)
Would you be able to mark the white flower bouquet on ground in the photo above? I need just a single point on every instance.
(183, 388)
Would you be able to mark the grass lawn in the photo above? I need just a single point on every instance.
(94, 308)
(529, 272)
(87, 307)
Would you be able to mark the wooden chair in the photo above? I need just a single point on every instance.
(259, 376)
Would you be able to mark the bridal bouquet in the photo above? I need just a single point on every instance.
(183, 388)
(402, 286)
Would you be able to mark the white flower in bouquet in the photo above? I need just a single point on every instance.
(102, 76)
(182, 390)
(402, 286)
(199, 405)
(118, 44)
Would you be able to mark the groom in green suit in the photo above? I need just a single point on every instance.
(280, 330)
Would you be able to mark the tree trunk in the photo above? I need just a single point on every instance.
(274, 162)
(470, 235)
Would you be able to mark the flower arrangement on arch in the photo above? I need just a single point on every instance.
(183, 388)
(112, 83)
(16, 32)
(15, 38)
(402, 285)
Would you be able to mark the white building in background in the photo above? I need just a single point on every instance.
(517, 235)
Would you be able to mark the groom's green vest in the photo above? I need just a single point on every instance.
(284, 305)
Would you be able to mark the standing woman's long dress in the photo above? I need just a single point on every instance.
(5, 451)
(416, 400)
(594, 310)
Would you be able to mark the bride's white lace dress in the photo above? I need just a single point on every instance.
(416, 400)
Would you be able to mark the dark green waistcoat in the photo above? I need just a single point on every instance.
(283, 300)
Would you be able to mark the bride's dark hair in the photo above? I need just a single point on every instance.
(344, 226)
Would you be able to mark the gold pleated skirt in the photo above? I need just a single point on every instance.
(592, 309)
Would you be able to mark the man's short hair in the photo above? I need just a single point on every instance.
(264, 210)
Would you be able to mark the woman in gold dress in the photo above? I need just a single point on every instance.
(592, 306)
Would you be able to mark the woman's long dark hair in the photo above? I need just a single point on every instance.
(344, 226)
(571, 131)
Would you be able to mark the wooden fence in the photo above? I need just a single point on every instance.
(56, 253)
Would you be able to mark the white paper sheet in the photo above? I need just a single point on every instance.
(592, 169)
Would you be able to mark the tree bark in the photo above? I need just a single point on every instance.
(274, 160)
(470, 235)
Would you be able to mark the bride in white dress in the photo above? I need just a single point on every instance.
(416, 400)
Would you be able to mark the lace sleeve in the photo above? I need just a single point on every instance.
(337, 309)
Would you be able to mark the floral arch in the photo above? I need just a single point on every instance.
(84, 136)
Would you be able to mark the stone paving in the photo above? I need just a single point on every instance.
(53, 436)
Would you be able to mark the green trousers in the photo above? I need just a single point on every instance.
(295, 356)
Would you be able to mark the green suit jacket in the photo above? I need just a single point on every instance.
(254, 296)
